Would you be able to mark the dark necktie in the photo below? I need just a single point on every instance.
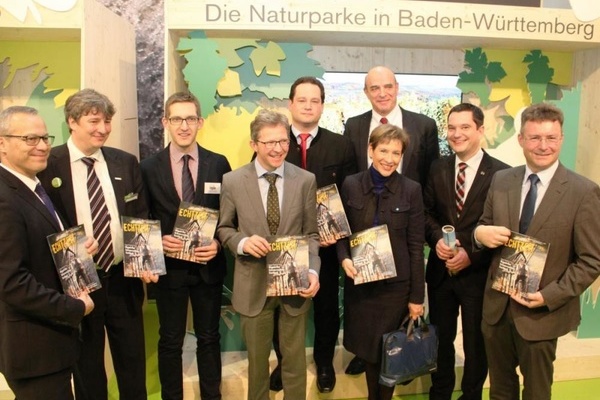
(46, 200)
(383, 120)
(100, 217)
(303, 139)
(187, 183)
(460, 188)
(529, 204)
(272, 203)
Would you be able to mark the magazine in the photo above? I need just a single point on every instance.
(195, 226)
(371, 252)
(142, 247)
(522, 261)
(287, 265)
(331, 217)
(76, 268)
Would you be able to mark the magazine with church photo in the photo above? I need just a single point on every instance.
(331, 217)
(142, 247)
(522, 261)
(195, 226)
(287, 265)
(75, 266)
(371, 252)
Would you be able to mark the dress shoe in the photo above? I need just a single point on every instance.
(356, 367)
(325, 379)
(275, 383)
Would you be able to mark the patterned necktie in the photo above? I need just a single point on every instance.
(46, 200)
(383, 120)
(303, 138)
(100, 217)
(460, 188)
(272, 203)
(529, 204)
(187, 183)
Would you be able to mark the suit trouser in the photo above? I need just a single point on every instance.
(56, 385)
(257, 333)
(326, 315)
(172, 305)
(118, 310)
(445, 300)
(506, 350)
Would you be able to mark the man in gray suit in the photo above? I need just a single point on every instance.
(522, 330)
(243, 228)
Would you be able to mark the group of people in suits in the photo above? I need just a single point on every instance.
(386, 164)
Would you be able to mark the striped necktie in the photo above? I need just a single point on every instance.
(187, 183)
(100, 217)
(460, 188)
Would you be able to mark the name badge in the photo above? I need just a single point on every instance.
(212, 187)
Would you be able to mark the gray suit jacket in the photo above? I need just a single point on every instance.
(567, 218)
(242, 215)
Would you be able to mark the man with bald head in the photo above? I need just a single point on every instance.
(381, 88)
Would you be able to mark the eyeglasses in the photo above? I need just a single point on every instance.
(284, 143)
(189, 120)
(33, 140)
(535, 140)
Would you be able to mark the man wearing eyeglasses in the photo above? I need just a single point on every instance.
(94, 185)
(545, 200)
(38, 343)
(201, 285)
(269, 197)
(381, 88)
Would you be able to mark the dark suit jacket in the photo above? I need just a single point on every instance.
(422, 149)
(38, 323)
(123, 169)
(242, 215)
(401, 208)
(567, 218)
(164, 201)
(440, 210)
(331, 159)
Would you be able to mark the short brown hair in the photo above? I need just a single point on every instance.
(542, 112)
(88, 101)
(386, 133)
(182, 97)
(307, 79)
(267, 118)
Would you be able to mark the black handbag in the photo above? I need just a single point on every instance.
(408, 352)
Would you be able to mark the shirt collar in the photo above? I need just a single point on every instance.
(175, 153)
(393, 115)
(75, 154)
(312, 133)
(260, 171)
(545, 175)
(472, 162)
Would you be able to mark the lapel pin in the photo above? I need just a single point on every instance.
(56, 182)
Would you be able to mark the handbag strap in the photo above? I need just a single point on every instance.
(411, 323)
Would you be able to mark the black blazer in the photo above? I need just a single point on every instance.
(440, 210)
(330, 157)
(164, 203)
(401, 208)
(38, 323)
(422, 149)
(124, 171)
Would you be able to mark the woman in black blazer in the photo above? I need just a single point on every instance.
(374, 197)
